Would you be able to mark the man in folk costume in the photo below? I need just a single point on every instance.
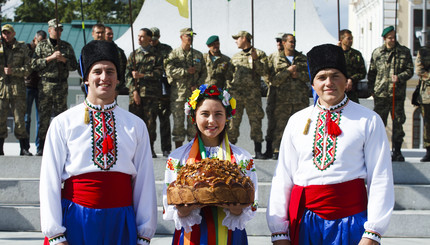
(318, 192)
(102, 155)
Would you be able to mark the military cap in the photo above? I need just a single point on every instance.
(326, 56)
(243, 34)
(155, 33)
(280, 35)
(53, 23)
(212, 39)
(187, 31)
(98, 50)
(387, 30)
(7, 27)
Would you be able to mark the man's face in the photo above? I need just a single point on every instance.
(8, 35)
(214, 47)
(289, 44)
(390, 39)
(347, 40)
(37, 39)
(279, 44)
(108, 34)
(98, 33)
(241, 42)
(143, 39)
(102, 81)
(154, 42)
(186, 39)
(330, 86)
(53, 33)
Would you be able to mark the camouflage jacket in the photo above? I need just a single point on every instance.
(355, 68)
(294, 90)
(218, 69)
(122, 66)
(18, 60)
(163, 49)
(53, 69)
(176, 65)
(422, 65)
(382, 68)
(246, 78)
(150, 63)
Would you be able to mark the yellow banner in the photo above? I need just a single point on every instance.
(182, 6)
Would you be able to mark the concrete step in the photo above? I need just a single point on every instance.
(412, 171)
(403, 223)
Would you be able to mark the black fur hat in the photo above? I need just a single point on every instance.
(326, 56)
(97, 50)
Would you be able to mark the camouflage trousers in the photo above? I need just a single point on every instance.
(283, 112)
(179, 132)
(18, 107)
(147, 110)
(255, 112)
(270, 108)
(425, 110)
(383, 106)
(52, 101)
(164, 117)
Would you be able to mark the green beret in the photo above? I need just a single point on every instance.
(387, 30)
(212, 39)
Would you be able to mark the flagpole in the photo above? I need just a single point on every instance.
(83, 23)
(294, 20)
(192, 33)
(338, 21)
(132, 41)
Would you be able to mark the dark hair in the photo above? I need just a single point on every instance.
(285, 36)
(108, 27)
(41, 33)
(147, 31)
(98, 25)
(343, 32)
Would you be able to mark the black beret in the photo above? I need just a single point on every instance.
(326, 56)
(95, 51)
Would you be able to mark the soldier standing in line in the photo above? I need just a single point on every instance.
(290, 78)
(391, 66)
(121, 88)
(98, 31)
(186, 70)
(12, 88)
(422, 65)
(249, 66)
(271, 100)
(354, 65)
(53, 61)
(217, 64)
(143, 73)
(164, 101)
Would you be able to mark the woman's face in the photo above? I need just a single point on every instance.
(211, 118)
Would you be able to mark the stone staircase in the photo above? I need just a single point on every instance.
(19, 196)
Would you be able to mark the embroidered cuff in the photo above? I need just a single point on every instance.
(280, 236)
(143, 240)
(372, 235)
(57, 239)
(233, 222)
(188, 221)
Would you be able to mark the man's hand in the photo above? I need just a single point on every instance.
(254, 54)
(293, 70)
(235, 209)
(348, 85)
(185, 210)
(282, 242)
(395, 78)
(367, 241)
(56, 56)
(191, 70)
(8, 71)
(136, 97)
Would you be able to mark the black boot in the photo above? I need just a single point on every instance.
(258, 154)
(397, 154)
(1, 146)
(426, 158)
(152, 151)
(269, 150)
(40, 148)
(24, 144)
(275, 155)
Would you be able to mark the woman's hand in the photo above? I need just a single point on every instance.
(235, 209)
(185, 210)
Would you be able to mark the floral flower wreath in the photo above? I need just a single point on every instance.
(206, 91)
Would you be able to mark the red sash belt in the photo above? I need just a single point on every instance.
(330, 202)
(99, 190)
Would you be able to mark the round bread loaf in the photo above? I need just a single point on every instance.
(210, 181)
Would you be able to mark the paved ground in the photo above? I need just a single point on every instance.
(36, 238)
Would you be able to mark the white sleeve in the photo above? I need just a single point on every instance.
(144, 197)
(53, 162)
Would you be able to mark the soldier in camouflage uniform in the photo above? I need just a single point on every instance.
(121, 88)
(53, 61)
(217, 64)
(354, 65)
(164, 101)
(290, 79)
(422, 65)
(186, 70)
(391, 64)
(12, 87)
(249, 65)
(143, 73)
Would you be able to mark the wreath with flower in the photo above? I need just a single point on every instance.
(212, 91)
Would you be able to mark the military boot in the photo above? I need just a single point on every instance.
(269, 150)
(397, 154)
(154, 155)
(24, 144)
(1, 146)
(257, 149)
(426, 158)
(40, 148)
